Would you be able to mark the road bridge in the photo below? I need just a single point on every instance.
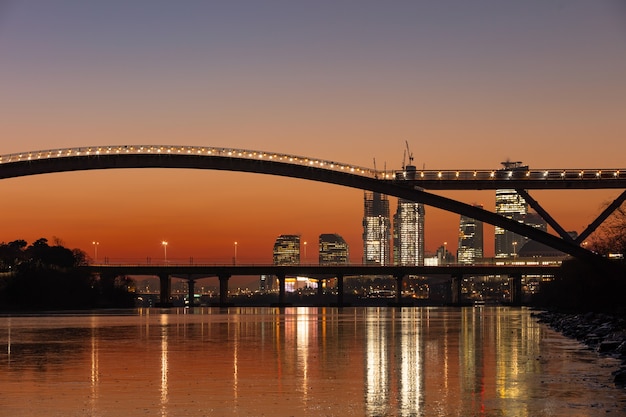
(321, 272)
(408, 184)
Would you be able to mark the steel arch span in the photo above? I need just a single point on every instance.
(195, 157)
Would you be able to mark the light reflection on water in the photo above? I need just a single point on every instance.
(300, 362)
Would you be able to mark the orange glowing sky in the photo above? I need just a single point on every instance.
(467, 84)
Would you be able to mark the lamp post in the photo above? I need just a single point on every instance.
(235, 253)
(514, 249)
(305, 253)
(164, 243)
(445, 252)
(95, 249)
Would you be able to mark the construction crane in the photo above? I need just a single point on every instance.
(409, 152)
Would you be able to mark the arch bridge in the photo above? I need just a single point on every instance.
(409, 183)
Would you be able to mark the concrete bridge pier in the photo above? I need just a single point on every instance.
(281, 291)
(516, 289)
(224, 290)
(191, 290)
(399, 281)
(456, 297)
(165, 291)
(340, 302)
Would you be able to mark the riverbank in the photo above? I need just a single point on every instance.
(606, 334)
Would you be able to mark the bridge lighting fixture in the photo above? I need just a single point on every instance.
(95, 248)
(164, 243)
(545, 173)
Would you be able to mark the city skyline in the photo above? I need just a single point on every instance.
(466, 85)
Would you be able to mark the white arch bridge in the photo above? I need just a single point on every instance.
(409, 184)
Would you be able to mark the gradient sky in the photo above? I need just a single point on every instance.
(467, 83)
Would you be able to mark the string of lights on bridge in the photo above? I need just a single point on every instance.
(427, 175)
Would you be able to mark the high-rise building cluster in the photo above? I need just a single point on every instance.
(408, 228)
(402, 242)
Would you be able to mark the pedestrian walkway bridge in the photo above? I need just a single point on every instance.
(409, 183)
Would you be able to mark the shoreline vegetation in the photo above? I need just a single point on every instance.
(41, 276)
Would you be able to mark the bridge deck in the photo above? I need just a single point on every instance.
(324, 270)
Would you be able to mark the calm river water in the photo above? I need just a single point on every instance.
(487, 361)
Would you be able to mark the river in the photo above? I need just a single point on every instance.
(306, 361)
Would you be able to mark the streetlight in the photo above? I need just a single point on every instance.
(95, 248)
(445, 252)
(514, 249)
(305, 252)
(235, 253)
(164, 243)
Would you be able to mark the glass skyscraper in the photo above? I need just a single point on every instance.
(470, 240)
(376, 229)
(512, 206)
(333, 250)
(408, 233)
(287, 250)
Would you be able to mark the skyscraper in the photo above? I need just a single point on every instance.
(376, 229)
(333, 250)
(408, 233)
(287, 250)
(470, 240)
(512, 206)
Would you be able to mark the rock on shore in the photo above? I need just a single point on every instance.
(604, 333)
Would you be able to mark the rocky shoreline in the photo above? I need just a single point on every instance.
(604, 333)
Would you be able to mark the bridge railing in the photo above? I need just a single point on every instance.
(207, 151)
(420, 175)
(535, 174)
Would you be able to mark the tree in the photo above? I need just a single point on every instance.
(46, 277)
(610, 238)
(11, 254)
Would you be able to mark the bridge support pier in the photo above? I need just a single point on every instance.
(340, 302)
(320, 288)
(165, 291)
(191, 290)
(281, 291)
(224, 290)
(456, 296)
(399, 283)
(516, 289)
